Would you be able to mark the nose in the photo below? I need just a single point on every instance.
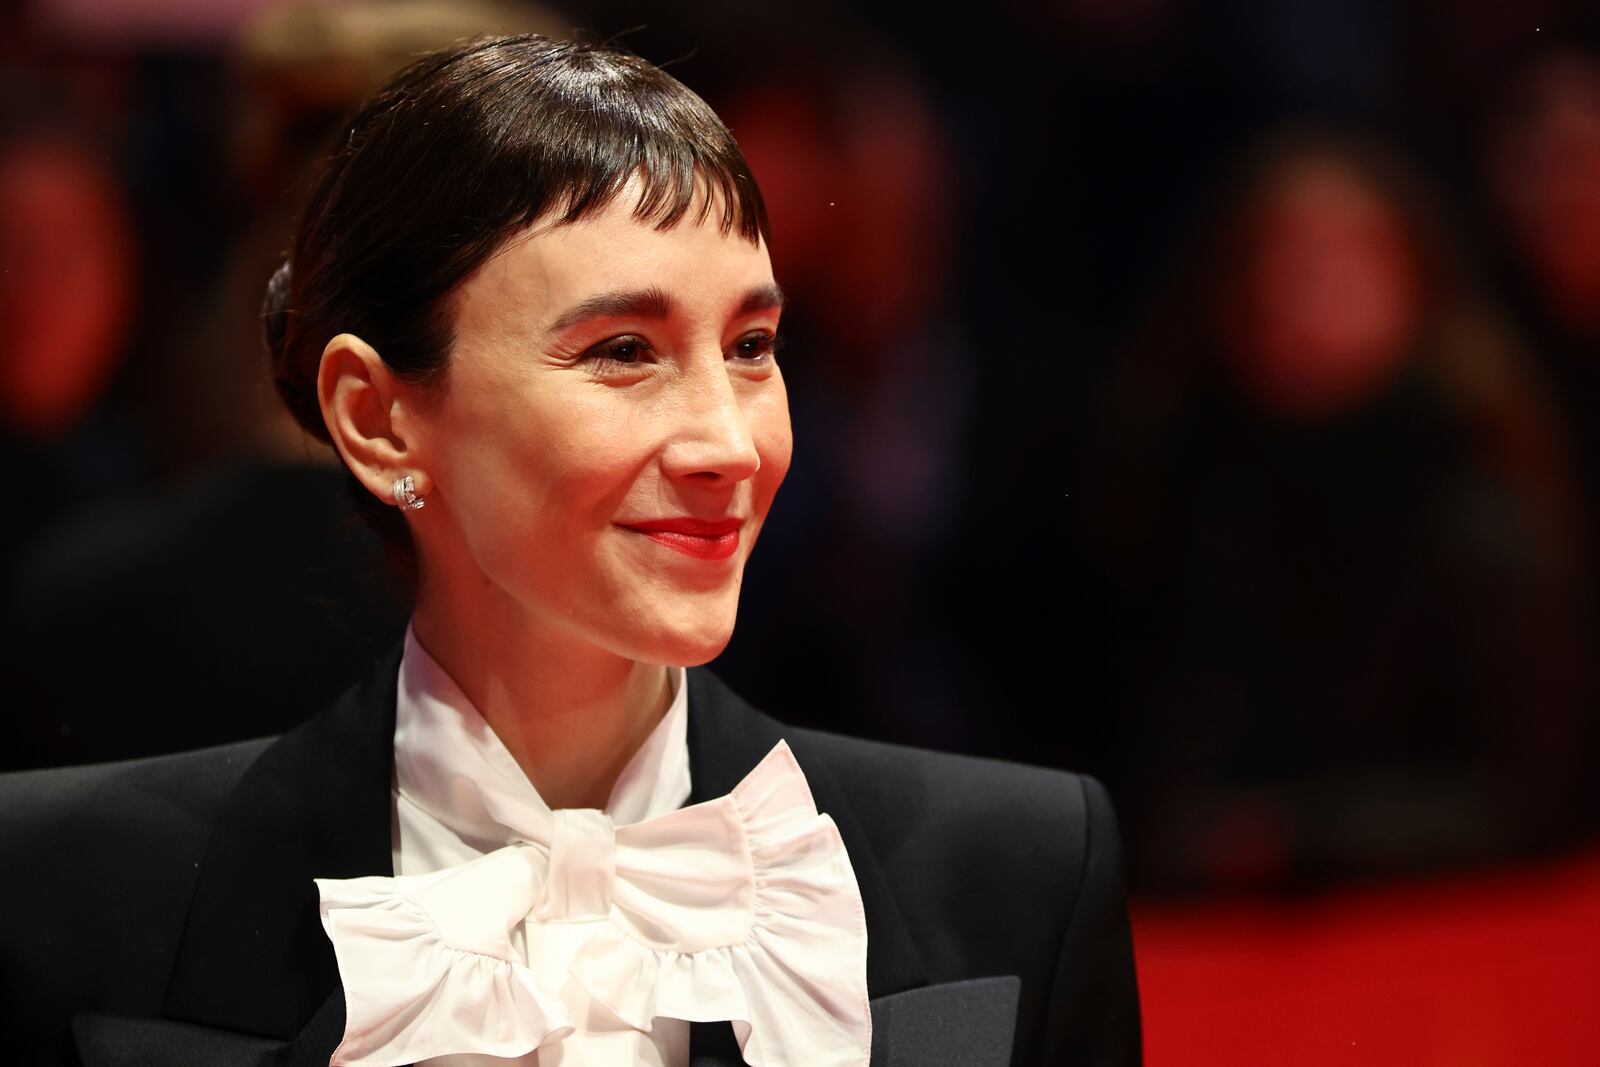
(713, 442)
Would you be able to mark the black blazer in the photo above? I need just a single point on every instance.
(162, 911)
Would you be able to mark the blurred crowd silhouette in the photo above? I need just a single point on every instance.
(1200, 395)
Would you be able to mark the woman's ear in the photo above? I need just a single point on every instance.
(363, 404)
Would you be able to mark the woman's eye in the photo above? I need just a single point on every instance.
(625, 350)
(756, 347)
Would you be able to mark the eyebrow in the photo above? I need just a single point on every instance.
(761, 298)
(655, 303)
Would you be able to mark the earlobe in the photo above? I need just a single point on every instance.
(358, 394)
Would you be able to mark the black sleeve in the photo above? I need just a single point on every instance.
(1093, 1016)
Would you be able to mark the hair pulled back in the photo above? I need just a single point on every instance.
(448, 160)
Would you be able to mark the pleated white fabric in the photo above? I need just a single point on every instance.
(572, 938)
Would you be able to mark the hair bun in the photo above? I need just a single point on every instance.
(297, 389)
(275, 313)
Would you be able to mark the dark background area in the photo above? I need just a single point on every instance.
(1200, 395)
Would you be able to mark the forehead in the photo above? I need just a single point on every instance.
(551, 266)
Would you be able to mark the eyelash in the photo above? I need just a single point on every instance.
(612, 351)
(607, 356)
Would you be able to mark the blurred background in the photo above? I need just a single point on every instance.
(1205, 396)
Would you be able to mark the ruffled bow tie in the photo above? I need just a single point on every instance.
(743, 908)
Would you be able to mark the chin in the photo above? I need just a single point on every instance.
(692, 650)
(686, 642)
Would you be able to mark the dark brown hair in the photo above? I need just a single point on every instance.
(448, 160)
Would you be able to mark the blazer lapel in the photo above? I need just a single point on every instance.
(315, 804)
(112, 1041)
(955, 1024)
(969, 1023)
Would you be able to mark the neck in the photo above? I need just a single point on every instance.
(570, 713)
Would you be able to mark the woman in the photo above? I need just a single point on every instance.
(1335, 510)
(531, 306)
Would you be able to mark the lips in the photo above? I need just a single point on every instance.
(700, 538)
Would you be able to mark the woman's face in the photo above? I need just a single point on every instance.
(612, 433)
(1331, 298)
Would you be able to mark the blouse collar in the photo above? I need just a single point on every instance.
(450, 763)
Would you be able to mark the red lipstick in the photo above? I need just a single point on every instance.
(701, 538)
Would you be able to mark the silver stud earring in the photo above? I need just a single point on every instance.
(405, 494)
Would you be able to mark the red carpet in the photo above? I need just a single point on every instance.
(1492, 971)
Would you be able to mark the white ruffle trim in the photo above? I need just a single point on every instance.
(428, 967)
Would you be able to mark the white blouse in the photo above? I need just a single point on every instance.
(453, 776)
(511, 933)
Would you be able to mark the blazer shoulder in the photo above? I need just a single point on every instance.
(973, 797)
(999, 837)
(936, 807)
(158, 801)
(103, 861)
(1029, 828)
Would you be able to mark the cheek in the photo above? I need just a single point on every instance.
(538, 470)
(577, 471)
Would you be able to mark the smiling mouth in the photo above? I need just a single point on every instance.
(711, 540)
